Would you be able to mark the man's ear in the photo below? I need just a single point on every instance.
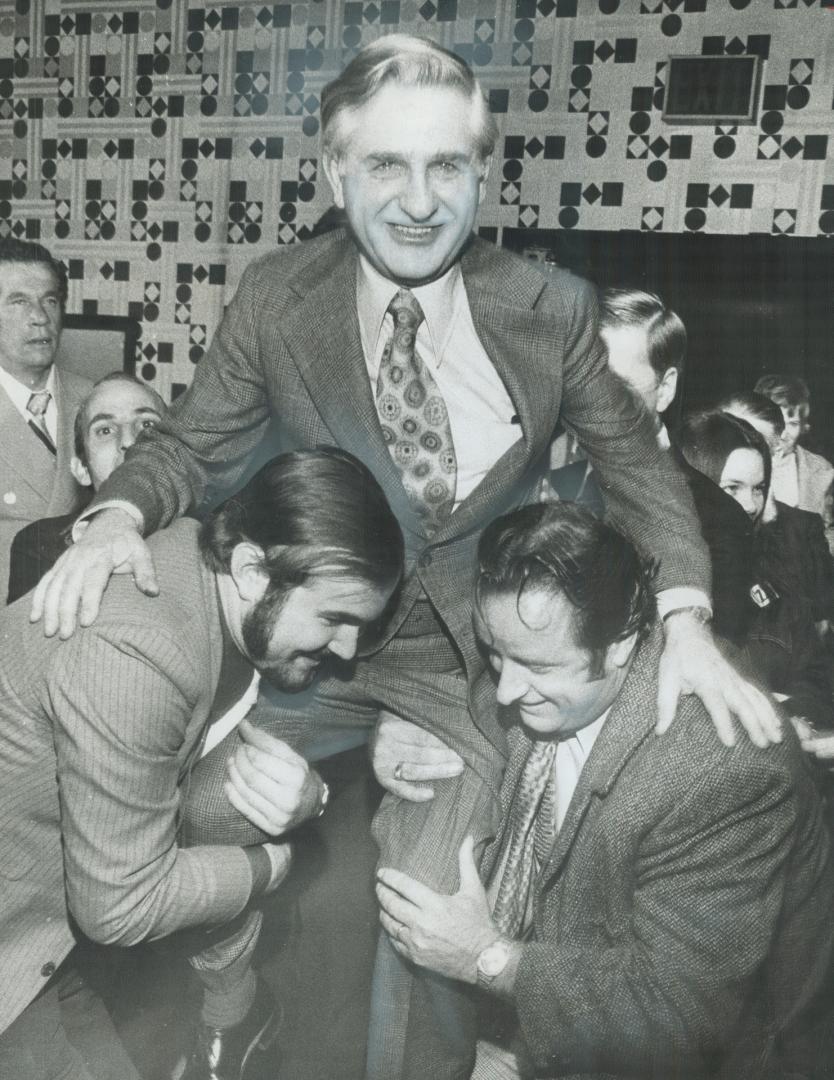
(666, 389)
(619, 654)
(330, 164)
(80, 471)
(247, 572)
(486, 165)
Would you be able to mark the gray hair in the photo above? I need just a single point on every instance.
(406, 60)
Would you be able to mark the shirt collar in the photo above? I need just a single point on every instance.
(438, 299)
(19, 393)
(587, 736)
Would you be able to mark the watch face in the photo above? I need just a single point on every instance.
(493, 959)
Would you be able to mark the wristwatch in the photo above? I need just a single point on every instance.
(491, 962)
(698, 612)
(324, 799)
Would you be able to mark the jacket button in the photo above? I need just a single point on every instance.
(425, 559)
(48, 970)
(9, 498)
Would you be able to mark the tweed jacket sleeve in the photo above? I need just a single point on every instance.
(122, 697)
(667, 984)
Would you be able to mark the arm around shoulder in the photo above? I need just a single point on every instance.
(72, 590)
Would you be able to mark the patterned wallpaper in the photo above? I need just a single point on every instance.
(157, 146)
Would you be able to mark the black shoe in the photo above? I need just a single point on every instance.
(232, 1053)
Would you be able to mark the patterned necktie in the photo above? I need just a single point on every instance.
(415, 424)
(36, 407)
(530, 832)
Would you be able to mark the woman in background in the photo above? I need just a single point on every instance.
(791, 541)
(781, 641)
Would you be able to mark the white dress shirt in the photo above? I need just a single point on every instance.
(785, 481)
(480, 409)
(19, 394)
(571, 755)
(220, 728)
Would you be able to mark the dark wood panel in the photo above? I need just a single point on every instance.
(751, 304)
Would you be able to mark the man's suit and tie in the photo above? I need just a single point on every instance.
(35, 483)
(117, 713)
(681, 921)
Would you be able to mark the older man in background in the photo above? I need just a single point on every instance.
(38, 399)
(108, 422)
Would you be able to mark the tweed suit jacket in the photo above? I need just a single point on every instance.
(815, 476)
(682, 921)
(33, 482)
(117, 713)
(289, 351)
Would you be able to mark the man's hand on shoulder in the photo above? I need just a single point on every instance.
(692, 664)
(71, 591)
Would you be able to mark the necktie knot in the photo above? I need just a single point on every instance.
(406, 311)
(39, 402)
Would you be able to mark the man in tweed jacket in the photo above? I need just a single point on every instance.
(407, 146)
(99, 735)
(676, 922)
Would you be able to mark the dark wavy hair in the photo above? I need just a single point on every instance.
(309, 511)
(707, 439)
(563, 550)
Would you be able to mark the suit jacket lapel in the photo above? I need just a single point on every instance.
(213, 618)
(322, 334)
(632, 719)
(28, 458)
(502, 295)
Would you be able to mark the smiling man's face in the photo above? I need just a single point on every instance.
(30, 321)
(410, 178)
(543, 672)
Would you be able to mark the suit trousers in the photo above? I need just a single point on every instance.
(416, 1018)
(64, 1034)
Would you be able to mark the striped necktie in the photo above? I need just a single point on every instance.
(36, 407)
